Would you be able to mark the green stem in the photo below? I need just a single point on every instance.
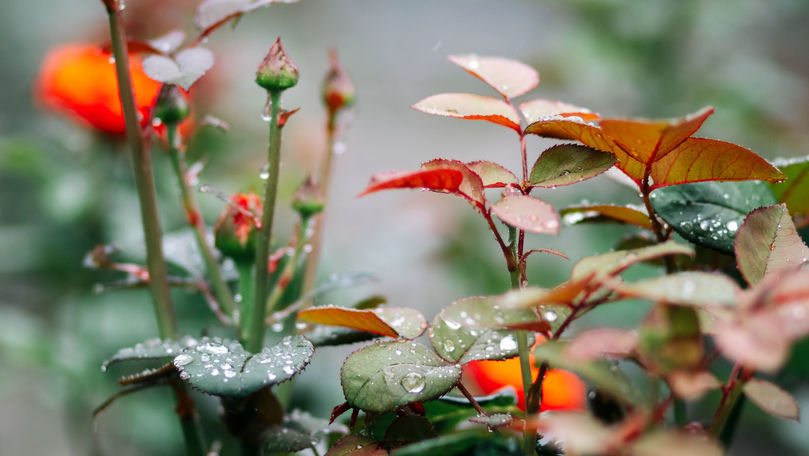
(194, 218)
(144, 180)
(722, 426)
(245, 271)
(255, 336)
(523, 349)
(289, 269)
(155, 263)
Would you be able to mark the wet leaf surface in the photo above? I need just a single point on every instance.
(567, 164)
(527, 213)
(768, 243)
(471, 106)
(509, 78)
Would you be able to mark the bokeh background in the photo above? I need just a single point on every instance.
(65, 189)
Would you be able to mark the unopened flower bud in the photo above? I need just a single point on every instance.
(308, 201)
(276, 71)
(171, 106)
(338, 90)
(235, 231)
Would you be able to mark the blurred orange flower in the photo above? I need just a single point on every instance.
(561, 390)
(79, 81)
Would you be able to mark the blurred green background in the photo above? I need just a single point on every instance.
(65, 189)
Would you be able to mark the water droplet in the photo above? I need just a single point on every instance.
(733, 226)
(413, 383)
(339, 148)
(183, 359)
(550, 316)
(266, 115)
(289, 370)
(452, 324)
(474, 64)
(277, 327)
(264, 174)
(184, 375)
(156, 122)
(508, 343)
(449, 347)
(229, 373)
(704, 225)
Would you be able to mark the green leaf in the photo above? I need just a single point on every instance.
(224, 368)
(472, 442)
(466, 330)
(152, 349)
(710, 213)
(795, 190)
(568, 164)
(408, 429)
(527, 213)
(356, 445)
(768, 243)
(670, 339)
(690, 288)
(448, 411)
(387, 375)
(772, 399)
(283, 439)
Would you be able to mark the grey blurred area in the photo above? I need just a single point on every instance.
(64, 189)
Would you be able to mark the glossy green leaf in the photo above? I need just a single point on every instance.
(509, 78)
(491, 174)
(768, 243)
(466, 330)
(471, 106)
(152, 349)
(710, 213)
(690, 288)
(183, 69)
(539, 109)
(772, 399)
(284, 439)
(387, 375)
(567, 164)
(224, 368)
(795, 190)
(527, 213)
(633, 215)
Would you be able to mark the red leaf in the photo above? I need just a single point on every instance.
(470, 106)
(491, 174)
(527, 213)
(509, 78)
(437, 179)
(470, 187)
(539, 109)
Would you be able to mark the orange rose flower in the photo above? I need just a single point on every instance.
(561, 389)
(79, 81)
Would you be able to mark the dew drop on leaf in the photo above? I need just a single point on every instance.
(508, 343)
(183, 360)
(413, 383)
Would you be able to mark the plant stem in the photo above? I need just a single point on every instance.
(310, 275)
(255, 336)
(194, 218)
(156, 265)
(471, 399)
(144, 180)
(288, 275)
(245, 271)
(722, 425)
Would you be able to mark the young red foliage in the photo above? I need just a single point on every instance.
(439, 179)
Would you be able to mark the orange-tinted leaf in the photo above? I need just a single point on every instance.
(438, 179)
(768, 243)
(509, 78)
(471, 186)
(772, 399)
(536, 110)
(470, 106)
(385, 321)
(692, 385)
(527, 213)
(650, 140)
(492, 174)
(699, 159)
(633, 215)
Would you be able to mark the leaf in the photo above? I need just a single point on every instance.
(211, 12)
(579, 433)
(691, 386)
(224, 368)
(768, 243)
(795, 190)
(675, 443)
(466, 330)
(327, 336)
(408, 429)
(459, 443)
(567, 164)
(670, 339)
(509, 78)
(494, 420)
(613, 263)
(356, 445)
(690, 288)
(710, 213)
(391, 322)
(543, 302)
(169, 42)
(596, 343)
(184, 69)
(491, 174)
(448, 411)
(471, 186)
(756, 342)
(527, 213)
(387, 375)
(152, 349)
(438, 179)
(772, 399)
(536, 110)
(633, 215)
(470, 106)
(283, 439)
